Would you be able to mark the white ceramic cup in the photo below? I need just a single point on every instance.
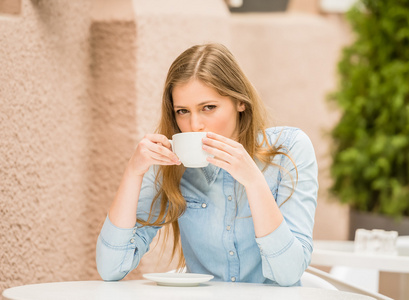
(188, 147)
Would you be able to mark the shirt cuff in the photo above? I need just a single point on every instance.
(276, 242)
(116, 236)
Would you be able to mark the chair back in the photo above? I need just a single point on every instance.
(313, 281)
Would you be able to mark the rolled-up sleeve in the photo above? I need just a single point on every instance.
(286, 252)
(119, 250)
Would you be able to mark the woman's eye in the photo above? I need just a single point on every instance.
(209, 107)
(181, 111)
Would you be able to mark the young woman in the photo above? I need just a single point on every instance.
(246, 217)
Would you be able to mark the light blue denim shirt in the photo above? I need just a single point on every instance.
(217, 231)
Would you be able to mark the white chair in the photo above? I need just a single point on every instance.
(345, 286)
(367, 279)
(402, 244)
(314, 281)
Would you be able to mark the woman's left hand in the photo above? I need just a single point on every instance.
(232, 157)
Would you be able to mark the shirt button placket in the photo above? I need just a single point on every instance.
(132, 240)
(229, 226)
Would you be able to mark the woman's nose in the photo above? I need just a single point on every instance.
(196, 123)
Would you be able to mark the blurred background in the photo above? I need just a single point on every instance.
(81, 84)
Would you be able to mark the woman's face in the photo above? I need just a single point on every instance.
(201, 108)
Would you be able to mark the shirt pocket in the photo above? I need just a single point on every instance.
(195, 203)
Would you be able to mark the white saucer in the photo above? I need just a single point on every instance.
(178, 279)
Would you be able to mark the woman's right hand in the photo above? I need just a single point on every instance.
(153, 149)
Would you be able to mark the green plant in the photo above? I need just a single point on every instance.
(371, 141)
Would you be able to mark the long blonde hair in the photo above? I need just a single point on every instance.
(215, 66)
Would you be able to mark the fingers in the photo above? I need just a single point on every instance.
(230, 156)
(219, 163)
(223, 139)
(225, 151)
(160, 153)
(159, 138)
(219, 154)
(218, 145)
(223, 144)
(161, 159)
(155, 147)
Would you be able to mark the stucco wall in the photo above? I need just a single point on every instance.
(45, 234)
(80, 84)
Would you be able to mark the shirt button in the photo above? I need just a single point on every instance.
(204, 205)
(134, 231)
(231, 253)
(229, 198)
(132, 240)
(233, 279)
(228, 227)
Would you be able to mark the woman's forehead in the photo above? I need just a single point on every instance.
(194, 92)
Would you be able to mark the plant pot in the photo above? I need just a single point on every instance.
(369, 221)
(261, 6)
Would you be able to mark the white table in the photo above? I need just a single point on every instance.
(143, 289)
(341, 253)
(331, 253)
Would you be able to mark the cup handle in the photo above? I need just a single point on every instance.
(171, 143)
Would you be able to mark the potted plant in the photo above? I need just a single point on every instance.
(371, 141)
(257, 5)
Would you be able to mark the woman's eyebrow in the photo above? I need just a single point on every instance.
(199, 104)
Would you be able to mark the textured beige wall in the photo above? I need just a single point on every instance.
(80, 84)
(45, 229)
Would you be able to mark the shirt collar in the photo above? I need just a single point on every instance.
(210, 173)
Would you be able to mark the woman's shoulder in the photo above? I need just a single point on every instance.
(292, 141)
(285, 136)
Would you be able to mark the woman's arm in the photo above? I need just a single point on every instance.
(266, 215)
(286, 252)
(121, 244)
(122, 212)
(154, 149)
